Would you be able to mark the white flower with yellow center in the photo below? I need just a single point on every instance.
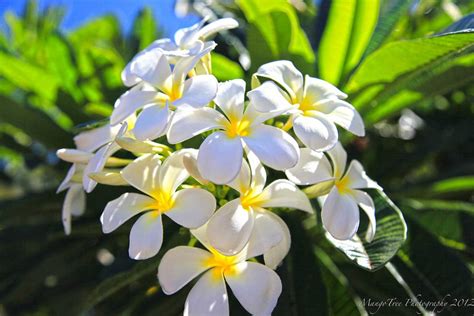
(187, 42)
(163, 90)
(315, 105)
(220, 155)
(340, 211)
(247, 218)
(189, 207)
(255, 286)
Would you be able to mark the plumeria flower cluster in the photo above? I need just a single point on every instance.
(199, 153)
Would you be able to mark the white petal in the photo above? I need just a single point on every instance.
(217, 26)
(339, 159)
(152, 67)
(186, 64)
(201, 235)
(95, 138)
(192, 207)
(313, 167)
(283, 193)
(256, 287)
(123, 208)
(75, 204)
(367, 204)
(128, 77)
(230, 227)
(230, 97)
(242, 182)
(285, 74)
(142, 173)
(96, 164)
(340, 215)
(187, 123)
(208, 297)
(190, 163)
(220, 158)
(188, 34)
(259, 175)
(146, 236)
(274, 147)
(316, 133)
(130, 102)
(344, 114)
(275, 255)
(173, 173)
(198, 91)
(66, 183)
(267, 233)
(269, 98)
(74, 155)
(151, 122)
(179, 266)
(316, 90)
(358, 179)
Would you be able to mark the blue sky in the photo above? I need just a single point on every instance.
(80, 11)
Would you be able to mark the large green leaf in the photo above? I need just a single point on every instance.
(410, 57)
(224, 68)
(274, 33)
(425, 67)
(144, 28)
(390, 13)
(389, 236)
(345, 38)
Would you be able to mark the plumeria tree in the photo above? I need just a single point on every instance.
(232, 162)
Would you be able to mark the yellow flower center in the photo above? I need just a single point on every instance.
(342, 185)
(251, 198)
(235, 127)
(163, 201)
(221, 264)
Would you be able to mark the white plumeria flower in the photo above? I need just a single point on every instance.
(187, 42)
(189, 207)
(247, 218)
(220, 155)
(163, 90)
(255, 286)
(86, 143)
(340, 213)
(75, 201)
(314, 105)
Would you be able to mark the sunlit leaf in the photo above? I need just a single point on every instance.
(389, 236)
(346, 35)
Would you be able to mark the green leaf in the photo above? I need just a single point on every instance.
(390, 14)
(274, 32)
(345, 37)
(465, 183)
(224, 68)
(342, 299)
(432, 270)
(466, 24)
(389, 236)
(412, 56)
(28, 77)
(34, 123)
(144, 28)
